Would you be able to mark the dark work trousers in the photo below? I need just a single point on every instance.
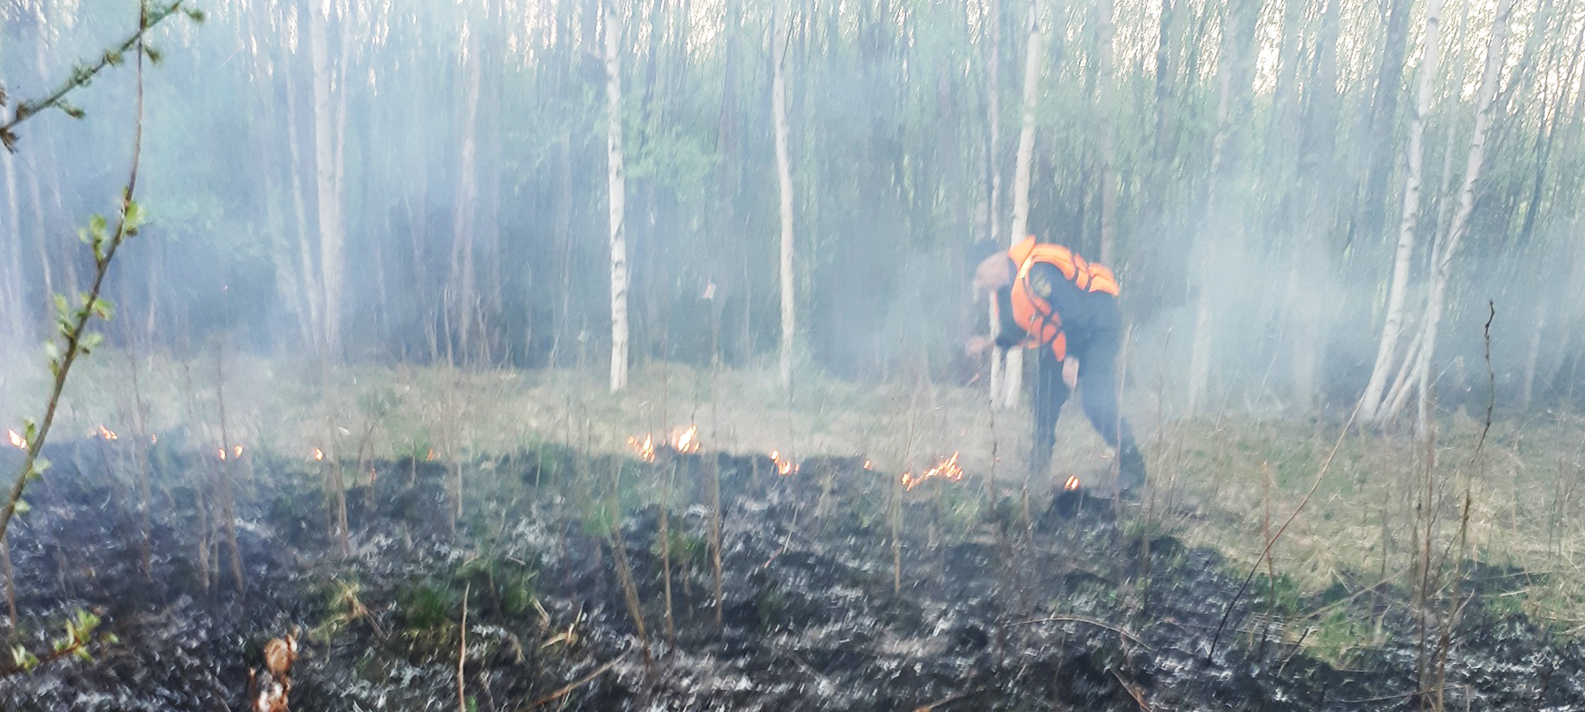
(1097, 355)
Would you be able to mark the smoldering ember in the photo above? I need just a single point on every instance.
(737, 355)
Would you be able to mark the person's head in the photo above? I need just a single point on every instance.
(994, 272)
(993, 269)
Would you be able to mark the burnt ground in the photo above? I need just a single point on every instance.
(1077, 606)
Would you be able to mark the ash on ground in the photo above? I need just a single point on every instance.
(838, 591)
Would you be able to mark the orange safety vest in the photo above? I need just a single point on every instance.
(1033, 312)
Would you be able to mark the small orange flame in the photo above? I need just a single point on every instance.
(1072, 483)
(784, 465)
(645, 448)
(947, 469)
(222, 453)
(319, 455)
(431, 456)
(688, 441)
(107, 433)
(868, 465)
(17, 441)
(236, 451)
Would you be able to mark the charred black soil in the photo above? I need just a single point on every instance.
(1080, 604)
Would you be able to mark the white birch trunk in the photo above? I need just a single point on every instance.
(310, 294)
(11, 286)
(1200, 345)
(1014, 372)
(1371, 403)
(784, 180)
(462, 225)
(617, 187)
(327, 150)
(994, 121)
(1532, 357)
(1442, 264)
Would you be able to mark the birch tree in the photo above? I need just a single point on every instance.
(617, 187)
(1442, 259)
(330, 115)
(1392, 331)
(784, 180)
(463, 294)
(1105, 31)
(1013, 375)
(993, 114)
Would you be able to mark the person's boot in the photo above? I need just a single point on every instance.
(1131, 469)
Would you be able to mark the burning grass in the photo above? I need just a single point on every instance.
(1206, 475)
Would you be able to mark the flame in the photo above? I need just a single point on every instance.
(17, 441)
(688, 441)
(319, 455)
(947, 469)
(784, 465)
(868, 465)
(1072, 483)
(431, 456)
(222, 453)
(236, 451)
(645, 448)
(107, 433)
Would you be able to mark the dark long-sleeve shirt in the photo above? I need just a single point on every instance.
(1086, 317)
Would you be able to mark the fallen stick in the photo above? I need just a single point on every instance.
(1090, 621)
(580, 682)
(1131, 691)
(945, 700)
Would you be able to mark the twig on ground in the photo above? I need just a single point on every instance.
(944, 701)
(462, 650)
(1089, 621)
(580, 682)
(1132, 691)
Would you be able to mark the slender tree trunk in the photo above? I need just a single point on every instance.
(12, 284)
(311, 293)
(462, 292)
(727, 240)
(1026, 149)
(1533, 356)
(1442, 262)
(487, 223)
(1383, 116)
(327, 155)
(617, 188)
(784, 180)
(1221, 236)
(993, 75)
(1392, 331)
(1108, 149)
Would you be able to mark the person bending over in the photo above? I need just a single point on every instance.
(1050, 299)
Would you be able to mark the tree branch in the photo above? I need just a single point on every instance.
(83, 75)
(73, 325)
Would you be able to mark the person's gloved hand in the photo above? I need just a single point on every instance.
(1070, 371)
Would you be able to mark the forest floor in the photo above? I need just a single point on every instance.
(821, 606)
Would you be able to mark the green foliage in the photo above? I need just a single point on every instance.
(506, 582)
(688, 550)
(1338, 637)
(425, 606)
(74, 642)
